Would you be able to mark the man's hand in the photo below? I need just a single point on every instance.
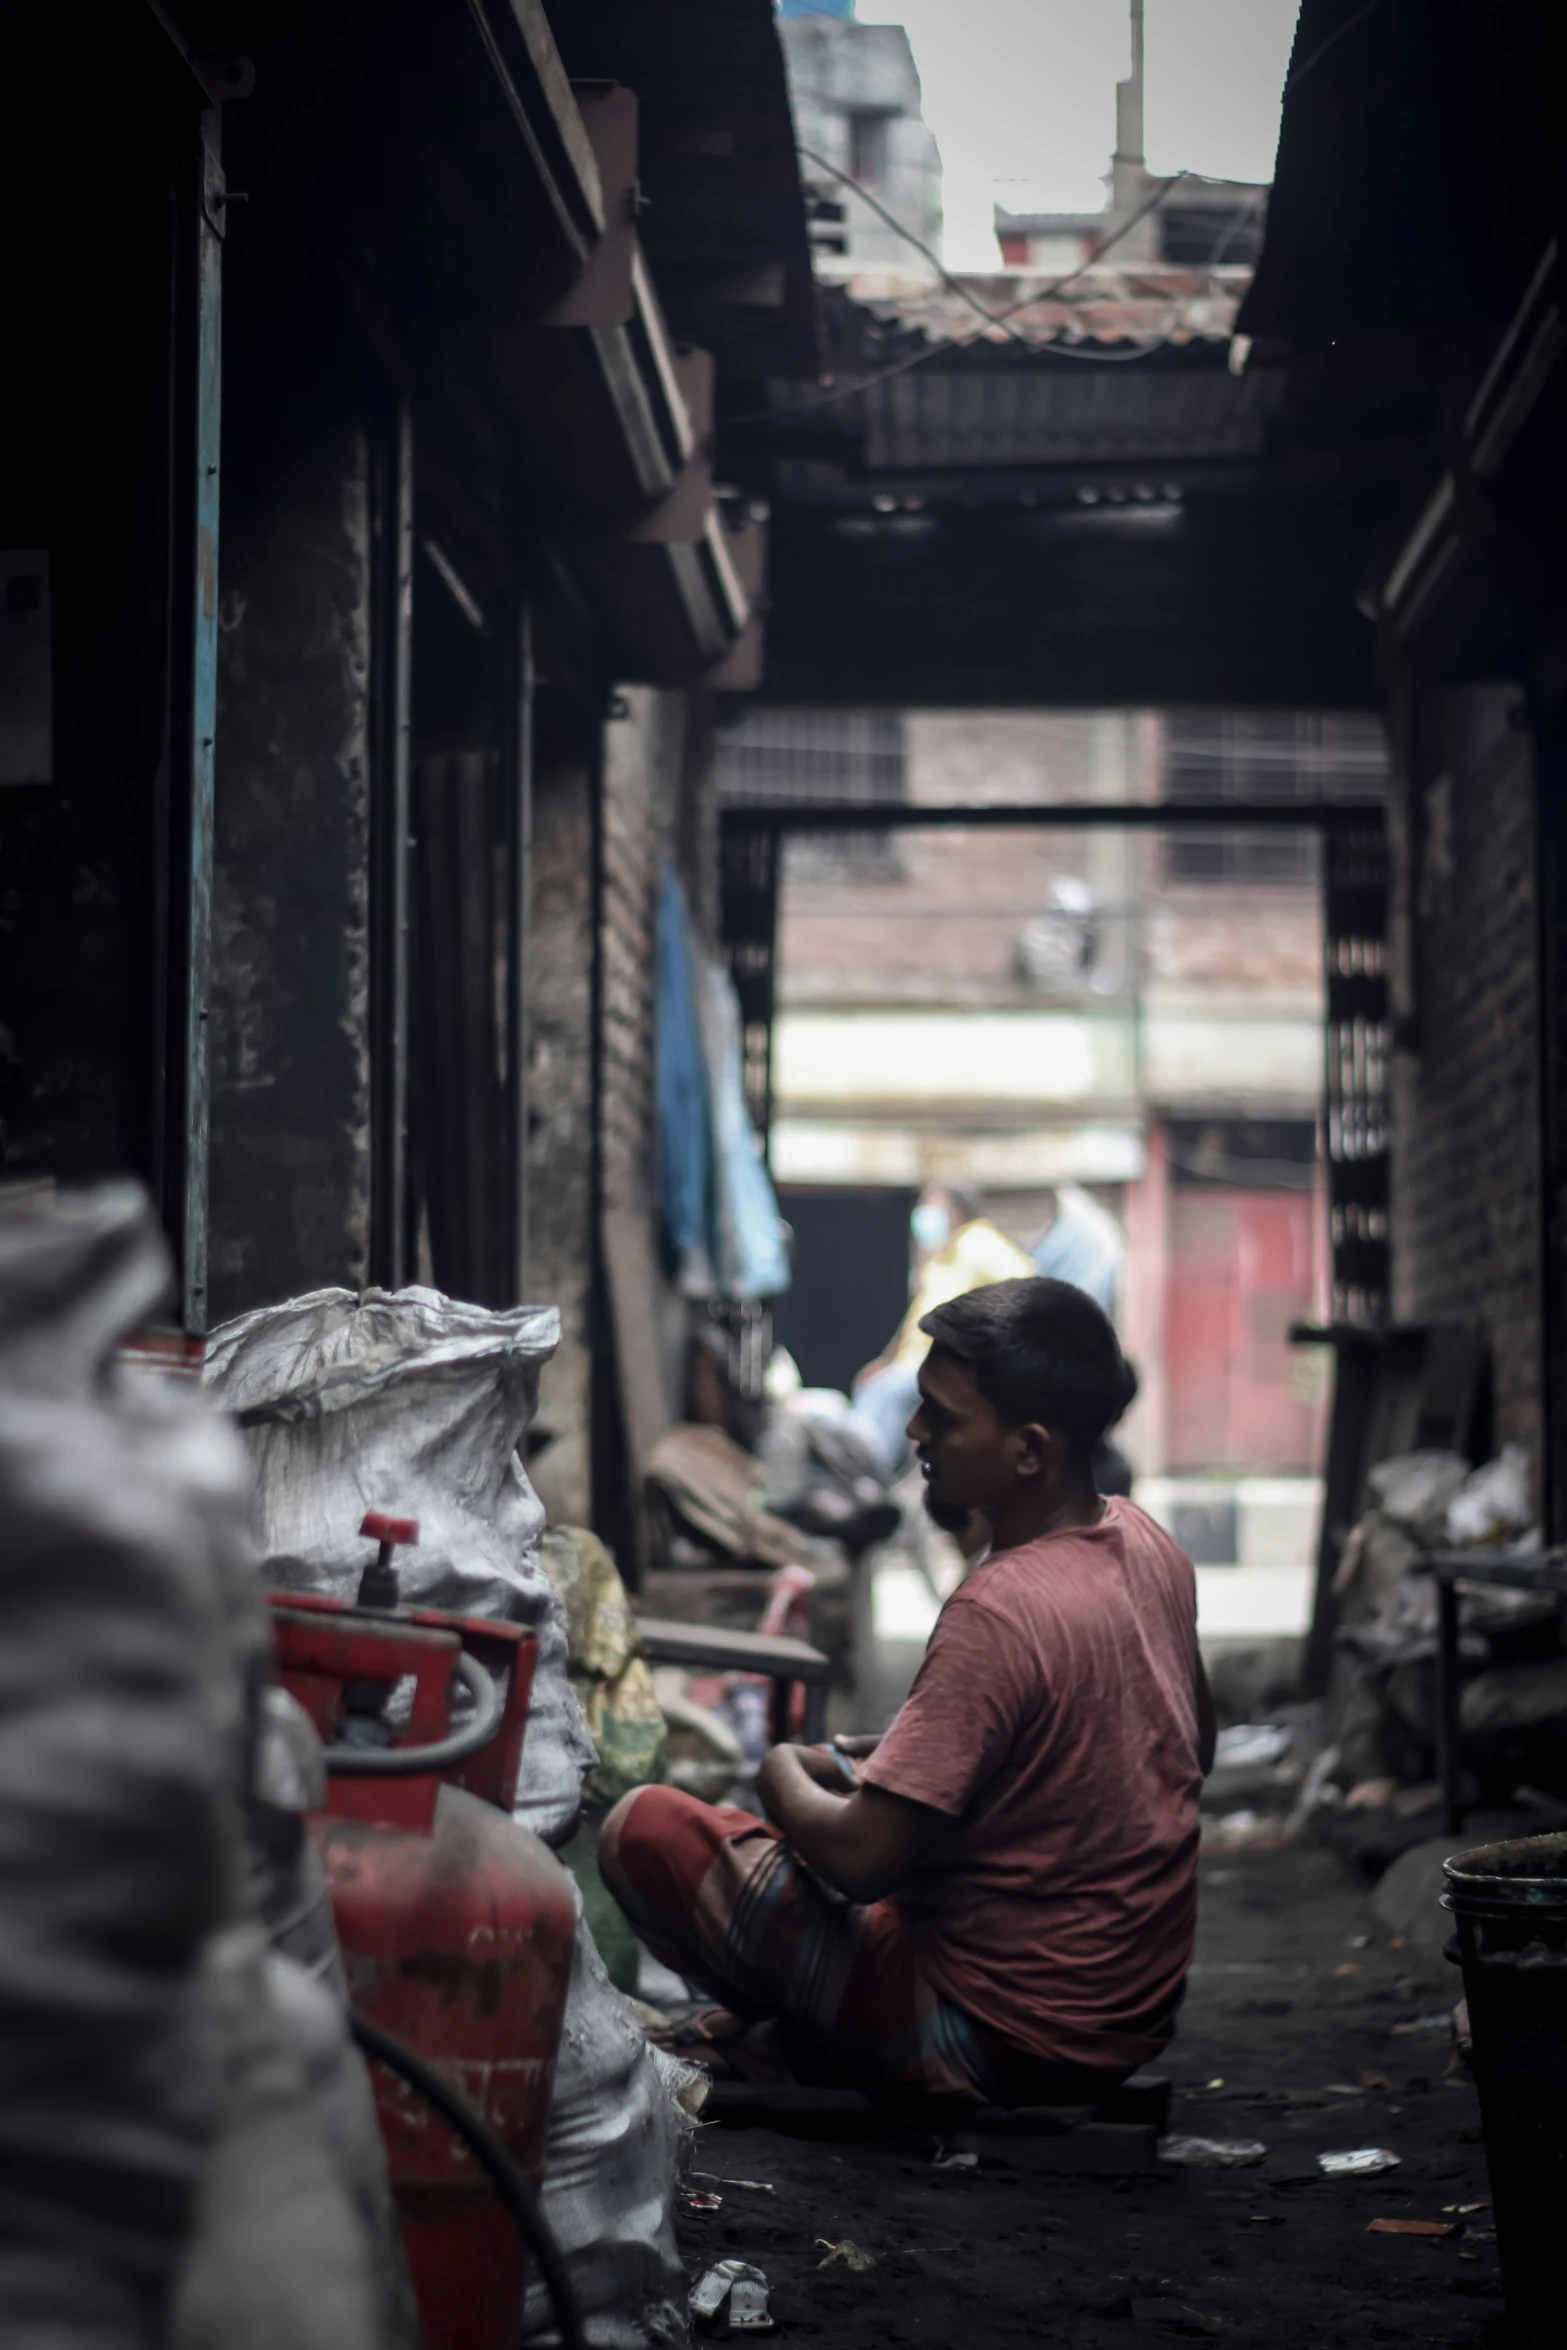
(863, 1842)
(819, 1765)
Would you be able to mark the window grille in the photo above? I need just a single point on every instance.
(1287, 757)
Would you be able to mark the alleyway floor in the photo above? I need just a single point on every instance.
(1289, 2008)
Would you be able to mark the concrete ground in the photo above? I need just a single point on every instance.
(1303, 2028)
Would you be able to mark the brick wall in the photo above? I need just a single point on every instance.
(1466, 1211)
(559, 1239)
(592, 1187)
(942, 921)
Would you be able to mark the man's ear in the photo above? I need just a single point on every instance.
(1036, 1451)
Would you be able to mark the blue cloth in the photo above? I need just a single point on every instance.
(883, 1407)
(1082, 1247)
(685, 1153)
(749, 1251)
(720, 1213)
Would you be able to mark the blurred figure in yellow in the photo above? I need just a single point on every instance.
(958, 1249)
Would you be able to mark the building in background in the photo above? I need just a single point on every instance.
(856, 98)
(1026, 1010)
(1201, 224)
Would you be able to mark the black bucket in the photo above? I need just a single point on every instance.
(1509, 1903)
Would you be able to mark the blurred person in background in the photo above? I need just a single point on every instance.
(1083, 1244)
(959, 1249)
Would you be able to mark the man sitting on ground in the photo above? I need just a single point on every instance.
(997, 1898)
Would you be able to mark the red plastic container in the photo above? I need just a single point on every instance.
(456, 1926)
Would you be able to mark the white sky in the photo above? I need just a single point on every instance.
(1021, 97)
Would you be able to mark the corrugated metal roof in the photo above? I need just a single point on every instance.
(1066, 413)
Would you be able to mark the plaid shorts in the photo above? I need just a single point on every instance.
(720, 1897)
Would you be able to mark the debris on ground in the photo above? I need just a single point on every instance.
(1005, 2256)
(1361, 2162)
(735, 2287)
(1247, 1744)
(1411, 2227)
(844, 2255)
(1212, 2153)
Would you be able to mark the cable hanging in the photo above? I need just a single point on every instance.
(827, 397)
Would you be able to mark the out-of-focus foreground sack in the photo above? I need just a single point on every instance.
(139, 2035)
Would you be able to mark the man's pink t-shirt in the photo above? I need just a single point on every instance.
(1054, 1720)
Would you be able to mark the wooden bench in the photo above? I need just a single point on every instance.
(713, 1648)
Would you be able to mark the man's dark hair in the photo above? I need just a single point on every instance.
(1039, 1351)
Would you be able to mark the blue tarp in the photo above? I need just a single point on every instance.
(720, 1213)
(685, 1155)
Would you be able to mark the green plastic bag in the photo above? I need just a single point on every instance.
(612, 1678)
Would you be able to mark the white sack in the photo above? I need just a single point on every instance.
(613, 2157)
(412, 1403)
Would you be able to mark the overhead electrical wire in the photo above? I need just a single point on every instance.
(956, 285)
(826, 397)
(1310, 63)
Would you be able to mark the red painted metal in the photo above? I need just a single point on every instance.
(457, 1928)
(1243, 1268)
(380, 1526)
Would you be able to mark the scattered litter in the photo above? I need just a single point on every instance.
(1494, 1501)
(1440, 2021)
(844, 2255)
(1361, 2162)
(1359, 1941)
(1349, 1966)
(754, 2186)
(953, 2158)
(1370, 1794)
(1216, 2083)
(1212, 2153)
(1375, 2081)
(1465, 2210)
(742, 2287)
(1238, 1831)
(692, 2200)
(1265, 2219)
(1250, 1744)
(1343, 2089)
(1411, 2227)
(748, 2312)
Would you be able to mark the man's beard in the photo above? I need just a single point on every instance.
(950, 1516)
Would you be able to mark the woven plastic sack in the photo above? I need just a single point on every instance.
(614, 2155)
(414, 1403)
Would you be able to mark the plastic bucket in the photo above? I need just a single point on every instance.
(1509, 1904)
